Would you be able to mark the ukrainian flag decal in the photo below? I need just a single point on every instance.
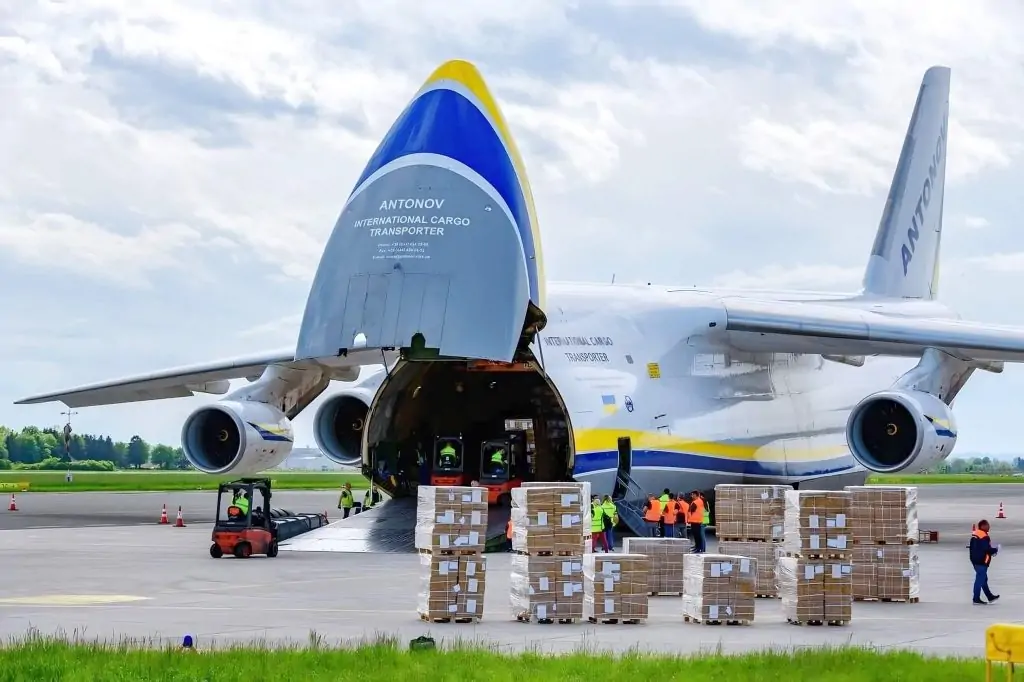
(271, 432)
(942, 427)
(608, 402)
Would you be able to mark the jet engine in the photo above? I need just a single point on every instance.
(338, 426)
(893, 431)
(236, 437)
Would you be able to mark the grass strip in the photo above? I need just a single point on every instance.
(161, 481)
(46, 659)
(926, 479)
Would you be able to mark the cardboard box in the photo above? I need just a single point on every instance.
(750, 512)
(615, 586)
(667, 561)
(551, 519)
(452, 586)
(764, 553)
(884, 514)
(719, 587)
(886, 572)
(815, 590)
(451, 518)
(816, 523)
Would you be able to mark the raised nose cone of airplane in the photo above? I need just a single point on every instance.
(439, 238)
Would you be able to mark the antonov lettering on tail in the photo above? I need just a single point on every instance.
(431, 289)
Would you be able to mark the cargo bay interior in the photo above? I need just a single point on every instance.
(452, 422)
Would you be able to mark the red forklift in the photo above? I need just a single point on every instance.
(448, 466)
(502, 465)
(244, 532)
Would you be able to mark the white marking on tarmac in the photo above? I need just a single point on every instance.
(71, 599)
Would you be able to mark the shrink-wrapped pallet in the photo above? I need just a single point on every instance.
(667, 561)
(451, 518)
(815, 590)
(546, 588)
(816, 523)
(764, 553)
(890, 572)
(551, 519)
(719, 587)
(883, 514)
(615, 586)
(750, 512)
(452, 586)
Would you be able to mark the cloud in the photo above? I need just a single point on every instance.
(175, 168)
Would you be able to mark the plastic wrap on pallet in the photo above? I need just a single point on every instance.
(615, 586)
(764, 553)
(554, 518)
(883, 514)
(750, 512)
(667, 561)
(451, 518)
(886, 572)
(816, 522)
(719, 587)
(452, 586)
(815, 589)
(546, 587)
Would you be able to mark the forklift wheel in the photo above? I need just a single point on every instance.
(243, 550)
(272, 549)
(215, 551)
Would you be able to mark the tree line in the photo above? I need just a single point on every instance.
(981, 465)
(45, 449)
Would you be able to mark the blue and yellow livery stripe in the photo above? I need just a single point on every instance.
(454, 115)
(941, 426)
(597, 450)
(271, 432)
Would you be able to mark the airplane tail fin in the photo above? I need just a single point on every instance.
(904, 260)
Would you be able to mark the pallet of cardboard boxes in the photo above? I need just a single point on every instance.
(815, 571)
(451, 529)
(615, 588)
(719, 589)
(885, 531)
(666, 567)
(749, 522)
(550, 532)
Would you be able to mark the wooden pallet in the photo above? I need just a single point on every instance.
(462, 620)
(766, 596)
(451, 552)
(882, 543)
(772, 541)
(701, 621)
(527, 618)
(616, 621)
(836, 555)
(664, 594)
(553, 554)
(833, 623)
(911, 600)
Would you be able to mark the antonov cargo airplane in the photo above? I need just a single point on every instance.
(432, 283)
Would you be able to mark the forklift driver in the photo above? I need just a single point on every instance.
(241, 500)
(497, 463)
(447, 456)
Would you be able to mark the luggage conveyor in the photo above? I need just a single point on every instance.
(388, 528)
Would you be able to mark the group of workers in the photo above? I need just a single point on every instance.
(672, 515)
(347, 503)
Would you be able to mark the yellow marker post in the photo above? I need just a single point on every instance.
(1003, 644)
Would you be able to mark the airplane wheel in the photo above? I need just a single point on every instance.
(243, 550)
(272, 549)
(215, 551)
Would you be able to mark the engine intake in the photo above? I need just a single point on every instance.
(236, 437)
(893, 431)
(338, 427)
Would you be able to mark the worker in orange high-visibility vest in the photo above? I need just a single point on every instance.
(508, 535)
(670, 515)
(695, 521)
(652, 515)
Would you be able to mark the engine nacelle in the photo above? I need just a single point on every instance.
(236, 437)
(893, 431)
(338, 426)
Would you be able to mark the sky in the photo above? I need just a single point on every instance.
(172, 170)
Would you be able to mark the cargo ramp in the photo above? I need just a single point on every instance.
(388, 528)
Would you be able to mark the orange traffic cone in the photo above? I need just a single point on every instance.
(179, 522)
(1001, 514)
(13, 506)
(163, 516)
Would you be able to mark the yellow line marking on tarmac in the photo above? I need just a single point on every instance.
(71, 599)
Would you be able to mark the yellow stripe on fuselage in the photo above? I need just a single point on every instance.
(605, 440)
(468, 76)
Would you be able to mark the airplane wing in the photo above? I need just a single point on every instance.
(785, 327)
(179, 382)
